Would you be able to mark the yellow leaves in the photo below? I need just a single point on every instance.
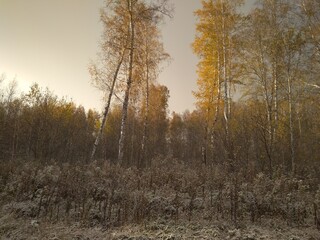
(215, 22)
(206, 46)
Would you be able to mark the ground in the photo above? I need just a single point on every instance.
(22, 228)
(92, 202)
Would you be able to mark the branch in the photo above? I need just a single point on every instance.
(312, 85)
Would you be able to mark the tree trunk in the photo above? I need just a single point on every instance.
(145, 124)
(226, 87)
(292, 150)
(127, 93)
(217, 108)
(106, 109)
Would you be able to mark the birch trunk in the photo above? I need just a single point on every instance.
(127, 92)
(145, 125)
(268, 92)
(292, 150)
(226, 104)
(106, 109)
(218, 98)
(226, 85)
(217, 108)
(275, 101)
(142, 160)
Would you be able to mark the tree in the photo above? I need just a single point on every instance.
(150, 57)
(158, 123)
(275, 57)
(177, 136)
(115, 44)
(262, 67)
(214, 46)
(138, 13)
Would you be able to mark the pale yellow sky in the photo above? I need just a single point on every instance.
(52, 41)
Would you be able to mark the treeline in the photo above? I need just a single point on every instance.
(39, 125)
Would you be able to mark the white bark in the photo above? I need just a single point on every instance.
(226, 87)
(145, 124)
(127, 92)
(292, 138)
(106, 109)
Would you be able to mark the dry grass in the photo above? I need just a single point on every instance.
(168, 201)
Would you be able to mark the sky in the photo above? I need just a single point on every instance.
(51, 42)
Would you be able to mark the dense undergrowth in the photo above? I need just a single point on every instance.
(108, 195)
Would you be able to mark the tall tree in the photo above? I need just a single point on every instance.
(261, 41)
(151, 55)
(138, 12)
(130, 9)
(217, 21)
(115, 44)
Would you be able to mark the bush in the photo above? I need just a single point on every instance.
(102, 193)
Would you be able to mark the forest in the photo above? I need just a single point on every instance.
(243, 165)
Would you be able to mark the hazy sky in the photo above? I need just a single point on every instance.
(52, 41)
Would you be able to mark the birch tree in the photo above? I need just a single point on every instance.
(208, 94)
(217, 21)
(150, 57)
(293, 42)
(114, 48)
(138, 12)
(116, 68)
(274, 59)
(262, 66)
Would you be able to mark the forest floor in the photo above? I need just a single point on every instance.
(12, 227)
(172, 203)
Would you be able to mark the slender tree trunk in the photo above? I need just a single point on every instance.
(229, 69)
(275, 100)
(218, 98)
(269, 110)
(145, 124)
(217, 108)
(145, 133)
(127, 93)
(226, 100)
(275, 110)
(292, 150)
(226, 86)
(132, 148)
(142, 159)
(106, 109)
(13, 142)
(290, 109)
(204, 151)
